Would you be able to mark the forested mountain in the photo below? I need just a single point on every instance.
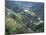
(24, 17)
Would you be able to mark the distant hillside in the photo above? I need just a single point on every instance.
(24, 17)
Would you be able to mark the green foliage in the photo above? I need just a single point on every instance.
(17, 22)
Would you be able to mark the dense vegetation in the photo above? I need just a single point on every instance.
(24, 20)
